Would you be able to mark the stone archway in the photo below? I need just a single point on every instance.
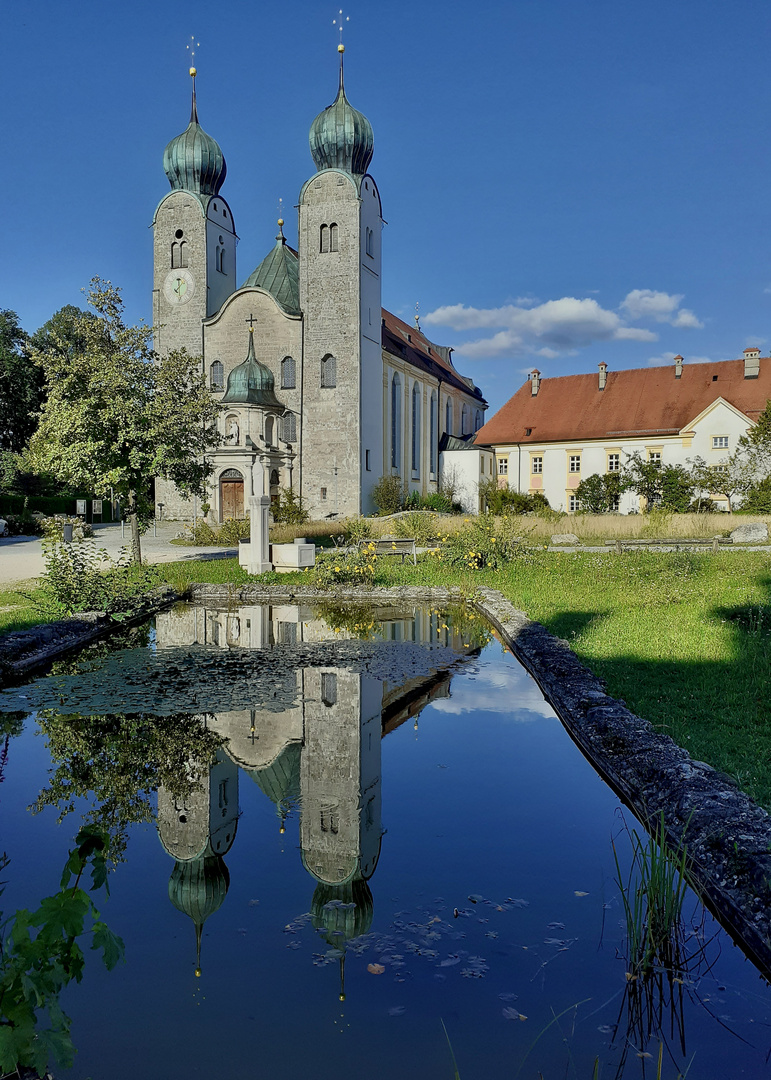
(274, 487)
(231, 495)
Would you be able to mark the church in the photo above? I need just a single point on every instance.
(323, 391)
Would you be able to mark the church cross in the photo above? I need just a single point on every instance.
(250, 320)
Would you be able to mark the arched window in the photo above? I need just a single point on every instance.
(324, 238)
(329, 372)
(396, 421)
(448, 417)
(288, 375)
(290, 427)
(175, 263)
(464, 420)
(269, 430)
(217, 376)
(183, 253)
(478, 420)
(220, 261)
(432, 435)
(370, 244)
(415, 429)
(333, 237)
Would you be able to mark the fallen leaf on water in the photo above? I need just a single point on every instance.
(579, 893)
(508, 997)
(644, 1054)
(375, 969)
(396, 1010)
(514, 1014)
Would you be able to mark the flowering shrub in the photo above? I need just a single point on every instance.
(346, 568)
(488, 543)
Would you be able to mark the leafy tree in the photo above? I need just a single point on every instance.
(644, 477)
(117, 415)
(21, 385)
(757, 498)
(677, 488)
(600, 494)
(389, 495)
(730, 477)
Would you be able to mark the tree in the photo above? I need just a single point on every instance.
(677, 487)
(20, 385)
(600, 494)
(117, 415)
(729, 477)
(644, 478)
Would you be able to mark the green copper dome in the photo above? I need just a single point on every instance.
(341, 137)
(251, 383)
(197, 888)
(279, 274)
(193, 161)
(342, 912)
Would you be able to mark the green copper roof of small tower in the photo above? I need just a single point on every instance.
(198, 887)
(342, 912)
(280, 780)
(193, 161)
(251, 383)
(341, 137)
(279, 274)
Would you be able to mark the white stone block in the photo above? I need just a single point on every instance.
(292, 557)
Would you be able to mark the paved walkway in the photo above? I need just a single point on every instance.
(21, 557)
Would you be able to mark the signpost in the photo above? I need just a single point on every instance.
(96, 509)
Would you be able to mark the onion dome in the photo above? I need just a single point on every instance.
(198, 887)
(279, 274)
(342, 912)
(193, 161)
(340, 136)
(252, 383)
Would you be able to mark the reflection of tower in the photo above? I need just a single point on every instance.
(197, 830)
(340, 830)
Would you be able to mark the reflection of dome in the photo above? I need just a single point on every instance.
(251, 383)
(342, 923)
(193, 161)
(280, 780)
(198, 888)
(341, 137)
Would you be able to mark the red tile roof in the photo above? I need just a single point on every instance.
(412, 345)
(643, 401)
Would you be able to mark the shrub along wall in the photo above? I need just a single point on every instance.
(49, 504)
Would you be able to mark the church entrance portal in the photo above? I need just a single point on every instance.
(231, 495)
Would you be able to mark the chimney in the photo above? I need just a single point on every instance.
(535, 381)
(678, 366)
(751, 363)
(603, 373)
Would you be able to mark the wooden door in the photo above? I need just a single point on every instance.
(231, 499)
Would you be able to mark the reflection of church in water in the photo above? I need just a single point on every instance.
(320, 756)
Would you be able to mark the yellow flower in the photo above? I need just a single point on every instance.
(337, 569)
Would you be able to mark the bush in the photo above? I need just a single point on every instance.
(201, 534)
(22, 525)
(288, 508)
(357, 529)
(53, 528)
(488, 543)
(419, 525)
(758, 498)
(497, 500)
(351, 568)
(702, 506)
(232, 531)
(441, 501)
(389, 495)
(80, 577)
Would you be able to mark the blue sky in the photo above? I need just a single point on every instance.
(564, 182)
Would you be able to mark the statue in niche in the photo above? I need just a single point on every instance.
(233, 432)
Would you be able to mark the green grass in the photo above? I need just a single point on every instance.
(17, 611)
(683, 638)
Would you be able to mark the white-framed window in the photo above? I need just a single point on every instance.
(290, 427)
(654, 456)
(574, 463)
(719, 442)
(288, 373)
(536, 465)
(614, 462)
(503, 466)
(329, 372)
(324, 239)
(572, 503)
(615, 503)
(217, 376)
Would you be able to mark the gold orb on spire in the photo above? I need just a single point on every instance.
(193, 72)
(198, 973)
(341, 47)
(280, 221)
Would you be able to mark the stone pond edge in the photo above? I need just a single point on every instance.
(728, 836)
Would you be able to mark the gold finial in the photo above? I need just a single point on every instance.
(417, 317)
(280, 221)
(191, 49)
(198, 973)
(282, 830)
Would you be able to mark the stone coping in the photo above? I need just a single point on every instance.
(728, 836)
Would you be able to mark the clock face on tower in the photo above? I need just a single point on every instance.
(179, 286)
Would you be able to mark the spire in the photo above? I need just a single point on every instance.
(193, 104)
(340, 136)
(193, 161)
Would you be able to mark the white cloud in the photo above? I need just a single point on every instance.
(509, 691)
(660, 306)
(665, 360)
(635, 333)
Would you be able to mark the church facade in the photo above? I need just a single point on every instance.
(322, 390)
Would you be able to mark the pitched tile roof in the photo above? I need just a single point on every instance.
(643, 401)
(410, 344)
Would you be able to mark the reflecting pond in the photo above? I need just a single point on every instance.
(338, 835)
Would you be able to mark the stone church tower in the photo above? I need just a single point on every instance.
(194, 240)
(340, 296)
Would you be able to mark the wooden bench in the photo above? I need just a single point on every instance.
(714, 543)
(393, 545)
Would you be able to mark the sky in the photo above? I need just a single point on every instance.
(564, 181)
